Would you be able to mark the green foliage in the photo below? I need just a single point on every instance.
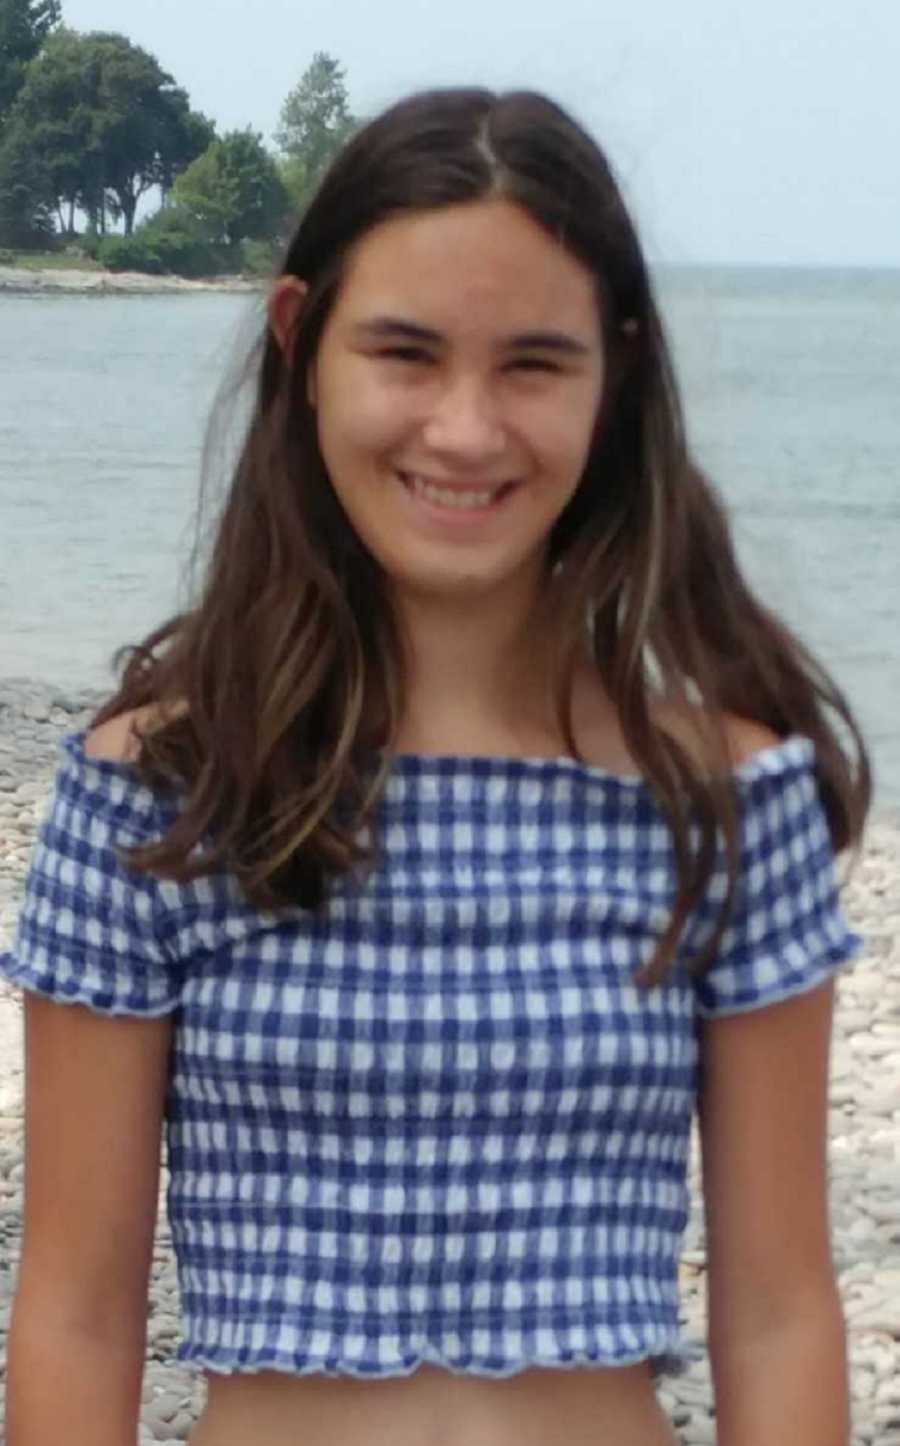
(260, 258)
(92, 122)
(7, 258)
(26, 194)
(105, 123)
(130, 253)
(24, 26)
(51, 121)
(295, 180)
(171, 242)
(202, 191)
(315, 123)
(26, 190)
(91, 243)
(147, 131)
(183, 245)
(233, 190)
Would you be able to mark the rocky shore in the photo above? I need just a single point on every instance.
(74, 282)
(864, 1123)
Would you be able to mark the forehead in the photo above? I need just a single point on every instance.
(486, 262)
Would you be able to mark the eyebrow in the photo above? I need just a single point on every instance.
(393, 327)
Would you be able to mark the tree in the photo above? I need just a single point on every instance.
(295, 181)
(146, 130)
(51, 117)
(234, 190)
(24, 26)
(315, 123)
(106, 123)
(26, 194)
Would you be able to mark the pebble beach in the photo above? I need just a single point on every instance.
(864, 1122)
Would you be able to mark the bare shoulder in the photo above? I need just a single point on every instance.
(118, 739)
(692, 728)
(745, 737)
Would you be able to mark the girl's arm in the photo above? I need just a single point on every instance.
(95, 1088)
(94, 1099)
(776, 1329)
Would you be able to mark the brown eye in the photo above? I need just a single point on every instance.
(405, 353)
(535, 364)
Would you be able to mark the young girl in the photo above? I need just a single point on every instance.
(473, 828)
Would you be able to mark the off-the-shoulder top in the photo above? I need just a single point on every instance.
(435, 1120)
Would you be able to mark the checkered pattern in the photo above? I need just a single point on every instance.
(437, 1121)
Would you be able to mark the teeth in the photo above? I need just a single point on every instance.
(446, 497)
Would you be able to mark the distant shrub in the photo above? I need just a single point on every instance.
(259, 258)
(130, 253)
(182, 244)
(7, 258)
(24, 234)
(170, 243)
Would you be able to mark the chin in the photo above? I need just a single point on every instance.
(454, 588)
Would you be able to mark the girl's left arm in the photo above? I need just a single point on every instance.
(777, 1339)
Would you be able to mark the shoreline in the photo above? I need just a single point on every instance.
(21, 281)
(863, 1122)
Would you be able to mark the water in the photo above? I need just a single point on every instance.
(790, 381)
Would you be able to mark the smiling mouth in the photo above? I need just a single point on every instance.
(467, 499)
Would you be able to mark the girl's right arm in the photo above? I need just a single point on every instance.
(95, 1087)
(94, 1092)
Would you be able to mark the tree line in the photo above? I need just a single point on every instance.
(91, 123)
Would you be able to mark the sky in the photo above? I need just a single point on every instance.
(763, 133)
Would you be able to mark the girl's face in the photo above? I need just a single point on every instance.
(456, 386)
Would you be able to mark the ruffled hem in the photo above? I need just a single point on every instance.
(668, 1360)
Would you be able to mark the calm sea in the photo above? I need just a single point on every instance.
(790, 380)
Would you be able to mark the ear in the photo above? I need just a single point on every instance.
(284, 306)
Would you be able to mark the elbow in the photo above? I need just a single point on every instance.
(96, 1394)
(772, 1317)
(801, 1355)
(808, 1337)
(120, 1326)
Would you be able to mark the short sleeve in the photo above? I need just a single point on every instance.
(787, 933)
(89, 930)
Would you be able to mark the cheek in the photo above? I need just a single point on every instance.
(357, 420)
(562, 435)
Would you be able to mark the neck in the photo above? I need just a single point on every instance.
(478, 676)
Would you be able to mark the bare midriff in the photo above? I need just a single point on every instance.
(612, 1406)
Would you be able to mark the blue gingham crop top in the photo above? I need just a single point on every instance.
(436, 1120)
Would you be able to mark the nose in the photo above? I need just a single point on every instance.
(464, 422)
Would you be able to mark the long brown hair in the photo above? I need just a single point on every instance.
(282, 684)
